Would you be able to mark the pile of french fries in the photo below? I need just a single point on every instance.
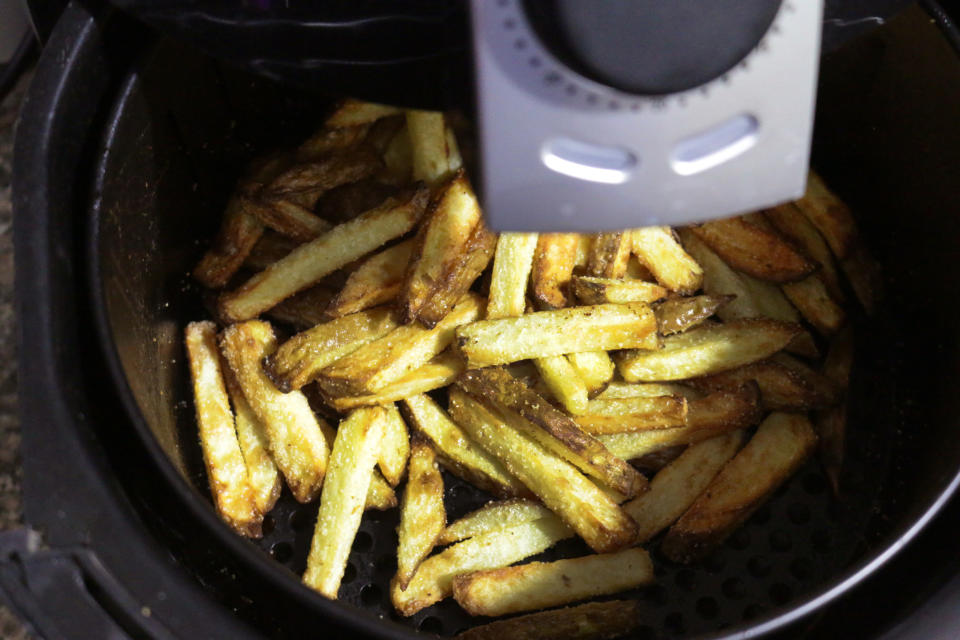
(546, 370)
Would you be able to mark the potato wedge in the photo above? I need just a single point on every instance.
(677, 485)
(439, 372)
(511, 271)
(595, 368)
(590, 621)
(433, 580)
(609, 254)
(310, 262)
(239, 233)
(300, 359)
(538, 585)
(303, 310)
(658, 250)
(553, 429)
(394, 446)
(829, 214)
(289, 218)
(781, 444)
(494, 516)
(633, 414)
(679, 314)
(550, 333)
(379, 279)
(434, 152)
(563, 489)
(380, 495)
(755, 251)
(564, 383)
(422, 516)
(790, 222)
(344, 494)
(593, 290)
(460, 454)
(351, 113)
(297, 445)
(374, 366)
(553, 263)
(708, 349)
(233, 493)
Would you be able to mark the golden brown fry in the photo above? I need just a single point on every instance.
(609, 254)
(633, 414)
(300, 359)
(811, 297)
(380, 495)
(831, 424)
(434, 152)
(563, 489)
(564, 382)
(616, 390)
(288, 218)
(550, 333)
(269, 248)
(595, 368)
(422, 516)
(829, 215)
(296, 443)
(349, 200)
(328, 140)
(433, 580)
(553, 263)
(679, 314)
(593, 290)
(590, 621)
(460, 454)
(377, 280)
(344, 494)
(239, 233)
(538, 585)
(658, 250)
(398, 157)
(793, 225)
(754, 251)
(233, 494)
(494, 516)
(863, 272)
(708, 349)
(677, 485)
(374, 366)
(511, 271)
(394, 446)
(781, 444)
(310, 262)
(311, 179)
(553, 429)
(351, 113)
(304, 310)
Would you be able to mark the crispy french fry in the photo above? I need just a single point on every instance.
(305, 309)
(350, 113)
(829, 215)
(593, 290)
(616, 390)
(328, 140)
(633, 414)
(460, 454)
(239, 233)
(377, 280)
(433, 580)
(679, 314)
(347, 201)
(811, 297)
(595, 368)
(305, 182)
(590, 621)
(494, 516)
(394, 447)
(538, 585)
(553, 429)
(310, 262)
(439, 372)
(398, 157)
(755, 251)
(344, 494)
(563, 382)
(233, 494)
(658, 250)
(793, 225)
(550, 333)
(677, 485)
(383, 131)
(708, 349)
(511, 271)
(300, 359)
(434, 153)
(380, 495)
(780, 445)
(290, 219)
(422, 516)
(584, 244)
(297, 445)
(269, 248)
(553, 263)
(583, 506)
(609, 254)
(831, 424)
(374, 366)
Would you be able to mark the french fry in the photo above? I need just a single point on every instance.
(538, 585)
(297, 445)
(677, 485)
(434, 157)
(439, 372)
(563, 382)
(305, 309)
(351, 113)
(239, 233)
(269, 248)
(595, 368)
(344, 494)
(233, 494)
(374, 366)
(422, 516)
(261, 470)
(493, 516)
(793, 225)
(781, 444)
(609, 254)
(863, 273)
(304, 182)
(708, 349)
(829, 215)
(617, 390)
(380, 495)
(550, 333)
(576, 500)
(310, 262)
(433, 580)
(831, 424)
(593, 290)
(590, 621)
(394, 446)
(398, 157)
(328, 140)
(460, 454)
(377, 280)
(584, 244)
(658, 250)
(511, 271)
(633, 414)
(818, 307)
(300, 359)
(349, 200)
(754, 251)
(441, 241)
(383, 131)
(553, 263)
(290, 219)
(679, 314)
(553, 429)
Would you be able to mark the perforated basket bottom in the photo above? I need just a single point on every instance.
(799, 539)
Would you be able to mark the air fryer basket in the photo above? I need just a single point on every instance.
(887, 140)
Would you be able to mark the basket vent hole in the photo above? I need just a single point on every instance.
(780, 541)
(282, 552)
(431, 625)
(759, 567)
(370, 595)
(734, 588)
(299, 520)
(349, 574)
(780, 593)
(707, 608)
(674, 623)
(798, 513)
(363, 542)
(268, 525)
